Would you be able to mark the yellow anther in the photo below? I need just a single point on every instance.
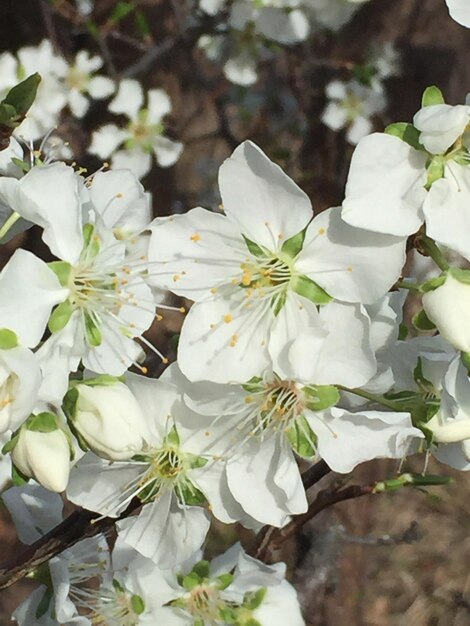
(144, 370)
(214, 290)
(119, 195)
(321, 231)
(196, 237)
(350, 269)
(280, 236)
(207, 433)
(233, 341)
(176, 277)
(165, 360)
(249, 399)
(158, 317)
(228, 318)
(182, 309)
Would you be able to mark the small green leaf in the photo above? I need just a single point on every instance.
(121, 10)
(62, 270)
(255, 249)
(60, 316)
(42, 422)
(305, 287)
(253, 599)
(406, 132)
(10, 445)
(432, 95)
(142, 25)
(138, 604)
(8, 339)
(22, 96)
(433, 283)
(291, 247)
(321, 397)
(117, 586)
(92, 331)
(202, 569)
(228, 615)
(302, 438)
(422, 322)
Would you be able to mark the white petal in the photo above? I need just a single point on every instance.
(358, 129)
(129, 98)
(101, 87)
(159, 105)
(460, 11)
(385, 188)
(136, 160)
(106, 139)
(441, 125)
(241, 70)
(285, 27)
(167, 151)
(264, 202)
(351, 264)
(78, 103)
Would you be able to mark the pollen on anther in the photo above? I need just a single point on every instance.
(350, 269)
(176, 277)
(249, 399)
(196, 237)
(280, 236)
(228, 318)
(158, 317)
(233, 341)
(144, 370)
(321, 231)
(165, 360)
(119, 195)
(214, 290)
(182, 309)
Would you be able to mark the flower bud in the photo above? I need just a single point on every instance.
(450, 430)
(109, 420)
(448, 307)
(43, 454)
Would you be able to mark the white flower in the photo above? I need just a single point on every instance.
(331, 14)
(448, 307)
(279, 20)
(258, 273)
(42, 451)
(441, 125)
(459, 10)
(80, 81)
(164, 476)
(109, 419)
(351, 106)
(144, 133)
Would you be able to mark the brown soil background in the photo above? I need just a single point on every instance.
(341, 582)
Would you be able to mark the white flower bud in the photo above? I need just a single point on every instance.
(44, 456)
(448, 307)
(110, 420)
(449, 431)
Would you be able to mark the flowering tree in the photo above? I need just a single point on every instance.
(304, 342)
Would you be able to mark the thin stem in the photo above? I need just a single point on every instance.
(403, 284)
(372, 397)
(430, 247)
(9, 223)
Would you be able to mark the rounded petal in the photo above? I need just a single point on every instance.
(136, 160)
(101, 87)
(385, 188)
(167, 151)
(285, 27)
(106, 140)
(459, 10)
(441, 125)
(261, 199)
(159, 105)
(78, 103)
(129, 98)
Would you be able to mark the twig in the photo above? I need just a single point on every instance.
(79, 525)
(314, 474)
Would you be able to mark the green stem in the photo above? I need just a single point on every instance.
(431, 248)
(403, 284)
(372, 397)
(14, 217)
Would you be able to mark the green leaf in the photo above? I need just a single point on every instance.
(42, 423)
(422, 322)
(432, 95)
(253, 599)
(62, 270)
(302, 438)
(202, 569)
(10, 445)
(8, 339)
(305, 287)
(228, 615)
(142, 25)
(138, 604)
(92, 331)
(22, 96)
(8, 116)
(255, 249)
(320, 397)
(291, 247)
(406, 132)
(433, 283)
(60, 316)
(121, 10)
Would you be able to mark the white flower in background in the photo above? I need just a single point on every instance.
(104, 300)
(448, 307)
(108, 418)
(238, 58)
(211, 7)
(81, 82)
(85, 7)
(143, 136)
(42, 450)
(258, 273)
(164, 475)
(330, 14)
(459, 10)
(352, 105)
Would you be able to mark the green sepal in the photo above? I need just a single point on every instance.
(432, 95)
(403, 331)
(190, 581)
(292, 246)
(60, 316)
(253, 599)
(202, 569)
(8, 339)
(62, 270)
(172, 437)
(44, 422)
(17, 477)
(22, 165)
(195, 462)
(228, 615)
(92, 331)
(252, 622)
(278, 302)
(423, 383)
(302, 438)
(70, 402)
(422, 322)
(307, 288)
(10, 445)
(103, 380)
(406, 132)
(253, 385)
(91, 243)
(255, 249)
(463, 276)
(224, 581)
(465, 358)
(44, 603)
(117, 586)
(188, 494)
(137, 604)
(435, 171)
(321, 397)
(433, 283)
(199, 622)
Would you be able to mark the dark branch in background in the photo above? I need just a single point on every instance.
(81, 524)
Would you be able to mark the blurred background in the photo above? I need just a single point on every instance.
(305, 98)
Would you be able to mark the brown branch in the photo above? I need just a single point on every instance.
(79, 525)
(314, 474)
